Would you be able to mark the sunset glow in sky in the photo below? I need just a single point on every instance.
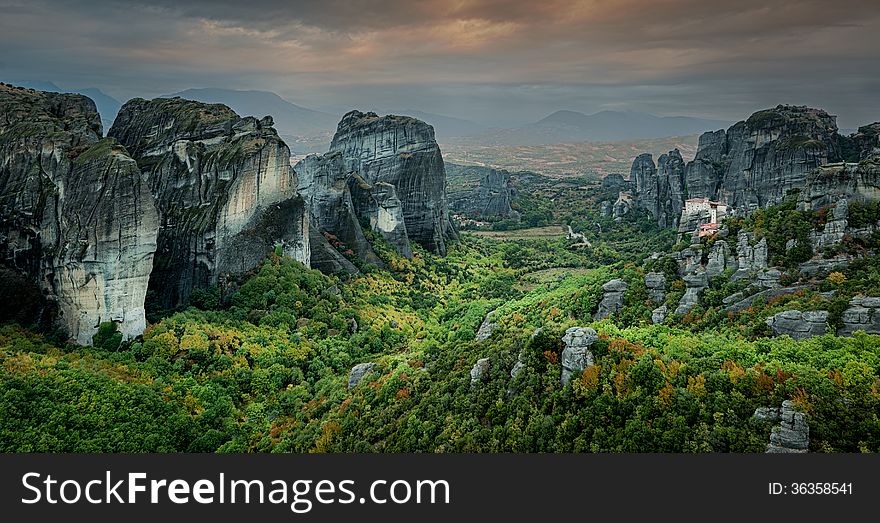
(494, 61)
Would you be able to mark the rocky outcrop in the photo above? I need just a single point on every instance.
(402, 152)
(694, 284)
(751, 257)
(798, 325)
(754, 164)
(658, 315)
(576, 355)
(737, 303)
(835, 228)
(792, 435)
(772, 152)
(224, 190)
(358, 372)
(487, 327)
(76, 215)
(479, 371)
(495, 194)
(660, 190)
(612, 300)
(655, 282)
(705, 173)
(719, 259)
(863, 314)
(323, 182)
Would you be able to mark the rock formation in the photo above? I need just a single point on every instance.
(576, 356)
(479, 371)
(612, 300)
(324, 184)
(798, 325)
(792, 435)
(402, 152)
(863, 314)
(705, 172)
(660, 190)
(358, 372)
(494, 196)
(224, 190)
(751, 257)
(658, 315)
(835, 227)
(694, 284)
(76, 215)
(754, 164)
(656, 285)
(487, 327)
(719, 259)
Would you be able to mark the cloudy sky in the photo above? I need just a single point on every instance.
(491, 60)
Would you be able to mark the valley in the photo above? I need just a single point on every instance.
(181, 285)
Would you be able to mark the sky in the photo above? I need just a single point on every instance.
(491, 61)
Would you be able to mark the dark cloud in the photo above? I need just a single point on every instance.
(492, 59)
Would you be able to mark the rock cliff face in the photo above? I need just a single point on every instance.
(324, 184)
(402, 152)
(76, 214)
(772, 152)
(385, 172)
(799, 325)
(224, 190)
(661, 190)
(577, 356)
(754, 164)
(863, 314)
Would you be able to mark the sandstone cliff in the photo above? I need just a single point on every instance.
(661, 189)
(386, 173)
(401, 151)
(76, 214)
(224, 190)
(488, 195)
(753, 164)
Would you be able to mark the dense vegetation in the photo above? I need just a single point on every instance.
(266, 369)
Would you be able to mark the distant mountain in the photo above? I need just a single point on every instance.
(604, 126)
(291, 120)
(107, 106)
(444, 126)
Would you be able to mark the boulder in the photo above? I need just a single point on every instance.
(749, 258)
(694, 284)
(658, 315)
(479, 371)
(612, 300)
(792, 435)
(863, 314)
(487, 327)
(798, 325)
(835, 228)
(358, 372)
(576, 355)
(719, 259)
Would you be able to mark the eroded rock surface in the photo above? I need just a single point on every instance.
(576, 355)
(799, 325)
(76, 215)
(224, 190)
(612, 300)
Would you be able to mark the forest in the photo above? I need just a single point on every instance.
(266, 368)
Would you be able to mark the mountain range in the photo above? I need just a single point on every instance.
(604, 126)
